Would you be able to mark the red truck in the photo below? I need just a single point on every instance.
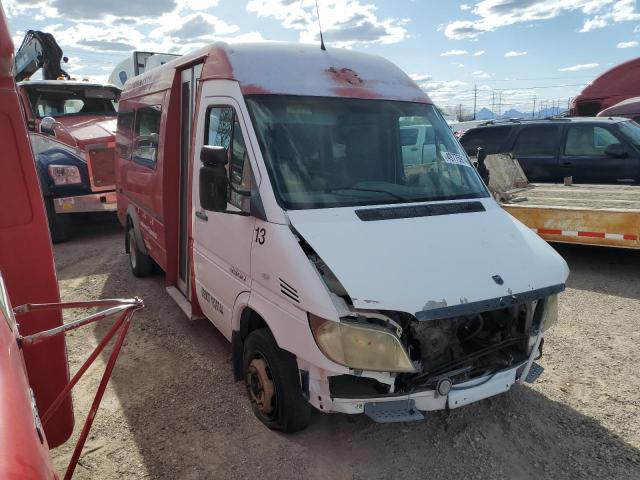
(613, 86)
(36, 411)
(72, 130)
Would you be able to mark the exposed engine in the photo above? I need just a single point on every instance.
(467, 347)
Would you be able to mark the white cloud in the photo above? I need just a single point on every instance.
(478, 53)
(630, 44)
(345, 22)
(465, 7)
(490, 15)
(459, 65)
(480, 74)
(515, 53)
(418, 77)
(577, 68)
(453, 53)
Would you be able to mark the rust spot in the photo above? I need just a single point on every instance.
(345, 75)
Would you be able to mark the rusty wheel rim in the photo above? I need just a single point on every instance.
(260, 386)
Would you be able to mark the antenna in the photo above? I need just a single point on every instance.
(322, 47)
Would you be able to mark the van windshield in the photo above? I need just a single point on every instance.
(334, 152)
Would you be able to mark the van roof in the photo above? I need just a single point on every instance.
(288, 68)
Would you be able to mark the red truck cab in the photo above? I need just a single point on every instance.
(30, 376)
(613, 86)
(72, 131)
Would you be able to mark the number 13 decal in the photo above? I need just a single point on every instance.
(260, 235)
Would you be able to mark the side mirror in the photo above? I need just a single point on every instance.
(214, 182)
(616, 150)
(47, 124)
(210, 155)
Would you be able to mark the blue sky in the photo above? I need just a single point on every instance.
(512, 50)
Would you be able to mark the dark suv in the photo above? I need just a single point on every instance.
(591, 150)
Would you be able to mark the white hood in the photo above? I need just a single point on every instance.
(432, 262)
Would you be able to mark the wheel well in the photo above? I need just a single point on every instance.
(126, 233)
(249, 321)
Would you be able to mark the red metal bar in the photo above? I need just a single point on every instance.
(98, 398)
(30, 307)
(88, 362)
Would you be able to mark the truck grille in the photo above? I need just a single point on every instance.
(101, 163)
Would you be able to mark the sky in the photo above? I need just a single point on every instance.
(505, 53)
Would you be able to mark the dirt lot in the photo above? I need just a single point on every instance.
(172, 409)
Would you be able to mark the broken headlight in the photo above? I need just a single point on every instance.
(360, 347)
(550, 312)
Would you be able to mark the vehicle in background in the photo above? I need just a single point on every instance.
(138, 62)
(613, 86)
(346, 276)
(36, 412)
(27, 274)
(72, 130)
(602, 215)
(629, 108)
(591, 150)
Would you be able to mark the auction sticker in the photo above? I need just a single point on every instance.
(456, 159)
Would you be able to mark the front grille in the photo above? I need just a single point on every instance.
(101, 163)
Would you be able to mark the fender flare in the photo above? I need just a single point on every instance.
(135, 222)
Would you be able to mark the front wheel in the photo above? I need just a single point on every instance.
(140, 263)
(60, 224)
(273, 384)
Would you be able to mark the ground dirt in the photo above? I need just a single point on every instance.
(172, 409)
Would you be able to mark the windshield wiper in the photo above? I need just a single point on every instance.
(357, 189)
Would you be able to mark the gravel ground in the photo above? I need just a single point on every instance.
(172, 409)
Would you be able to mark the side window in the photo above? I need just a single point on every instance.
(223, 130)
(539, 141)
(146, 135)
(124, 134)
(588, 141)
(489, 138)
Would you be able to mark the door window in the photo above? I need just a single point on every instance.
(223, 130)
(124, 133)
(588, 141)
(146, 135)
(538, 141)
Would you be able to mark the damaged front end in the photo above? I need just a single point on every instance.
(395, 356)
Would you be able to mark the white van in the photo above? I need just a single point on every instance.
(271, 185)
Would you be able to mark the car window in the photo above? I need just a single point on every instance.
(408, 136)
(146, 134)
(489, 138)
(124, 134)
(588, 140)
(537, 140)
(223, 130)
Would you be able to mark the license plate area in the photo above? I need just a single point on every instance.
(482, 388)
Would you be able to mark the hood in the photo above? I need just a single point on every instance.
(442, 263)
(87, 130)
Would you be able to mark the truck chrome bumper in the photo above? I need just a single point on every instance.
(94, 202)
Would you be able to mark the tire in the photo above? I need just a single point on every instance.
(141, 264)
(60, 224)
(286, 409)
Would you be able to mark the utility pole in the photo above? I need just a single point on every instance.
(493, 104)
(533, 112)
(499, 103)
(475, 99)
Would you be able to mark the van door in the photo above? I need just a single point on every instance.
(222, 241)
(187, 101)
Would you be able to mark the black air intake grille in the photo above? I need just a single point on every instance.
(288, 291)
(433, 210)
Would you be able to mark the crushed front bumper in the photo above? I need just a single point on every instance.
(93, 202)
